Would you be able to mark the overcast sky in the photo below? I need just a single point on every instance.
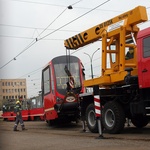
(22, 21)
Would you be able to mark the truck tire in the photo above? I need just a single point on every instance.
(91, 119)
(113, 117)
(139, 121)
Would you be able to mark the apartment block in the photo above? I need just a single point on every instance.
(12, 89)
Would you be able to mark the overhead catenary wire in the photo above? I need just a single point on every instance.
(32, 72)
(36, 39)
(40, 68)
(25, 27)
(33, 41)
(37, 28)
(18, 37)
(56, 5)
(24, 1)
(74, 19)
(69, 7)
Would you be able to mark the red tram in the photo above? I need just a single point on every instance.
(36, 111)
(62, 82)
(32, 109)
(8, 111)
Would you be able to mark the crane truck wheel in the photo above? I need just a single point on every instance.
(91, 119)
(113, 117)
(139, 121)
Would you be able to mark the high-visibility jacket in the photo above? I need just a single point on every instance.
(17, 107)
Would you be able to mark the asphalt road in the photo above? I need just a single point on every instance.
(40, 136)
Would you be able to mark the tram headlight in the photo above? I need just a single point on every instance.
(70, 99)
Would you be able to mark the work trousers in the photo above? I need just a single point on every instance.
(19, 120)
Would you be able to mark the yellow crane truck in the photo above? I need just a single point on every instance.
(124, 86)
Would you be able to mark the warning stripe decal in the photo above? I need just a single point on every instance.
(72, 45)
(97, 106)
(68, 44)
(81, 38)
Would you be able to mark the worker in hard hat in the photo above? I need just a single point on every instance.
(17, 110)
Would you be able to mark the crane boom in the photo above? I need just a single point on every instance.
(129, 18)
(118, 35)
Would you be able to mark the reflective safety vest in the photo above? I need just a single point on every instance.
(17, 107)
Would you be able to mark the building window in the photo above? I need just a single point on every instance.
(3, 97)
(3, 83)
(3, 91)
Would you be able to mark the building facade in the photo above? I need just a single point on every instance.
(12, 89)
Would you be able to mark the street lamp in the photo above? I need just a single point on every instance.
(91, 58)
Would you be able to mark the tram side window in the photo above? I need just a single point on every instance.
(146, 47)
(39, 102)
(46, 80)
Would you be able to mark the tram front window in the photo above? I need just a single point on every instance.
(62, 78)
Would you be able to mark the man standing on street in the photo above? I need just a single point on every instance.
(17, 110)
